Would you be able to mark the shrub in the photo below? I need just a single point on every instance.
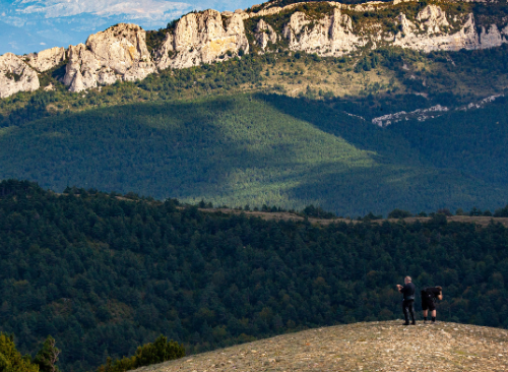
(152, 353)
(399, 213)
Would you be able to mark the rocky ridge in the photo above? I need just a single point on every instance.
(121, 52)
(16, 76)
(431, 112)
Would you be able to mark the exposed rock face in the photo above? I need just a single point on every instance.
(331, 36)
(264, 34)
(203, 38)
(433, 33)
(47, 59)
(16, 76)
(119, 53)
(428, 36)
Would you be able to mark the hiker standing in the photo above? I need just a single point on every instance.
(408, 291)
(429, 296)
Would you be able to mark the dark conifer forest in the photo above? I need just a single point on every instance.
(103, 273)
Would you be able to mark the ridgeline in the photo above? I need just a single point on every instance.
(105, 273)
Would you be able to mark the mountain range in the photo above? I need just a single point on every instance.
(61, 22)
(359, 107)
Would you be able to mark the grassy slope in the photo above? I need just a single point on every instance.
(251, 149)
(374, 346)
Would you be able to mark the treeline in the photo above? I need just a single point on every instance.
(104, 275)
(46, 359)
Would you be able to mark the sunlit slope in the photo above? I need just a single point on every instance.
(240, 150)
(377, 346)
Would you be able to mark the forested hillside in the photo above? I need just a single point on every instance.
(269, 149)
(104, 274)
(284, 129)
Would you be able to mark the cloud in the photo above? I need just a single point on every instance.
(134, 9)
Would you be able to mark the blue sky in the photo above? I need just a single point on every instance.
(28, 26)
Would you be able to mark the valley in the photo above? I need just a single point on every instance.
(252, 184)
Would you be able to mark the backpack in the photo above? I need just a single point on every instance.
(427, 294)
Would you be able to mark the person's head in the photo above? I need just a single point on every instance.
(440, 289)
(407, 279)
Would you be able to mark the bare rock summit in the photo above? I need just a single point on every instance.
(328, 29)
(16, 76)
(47, 59)
(203, 38)
(119, 53)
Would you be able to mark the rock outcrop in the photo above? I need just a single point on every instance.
(119, 53)
(203, 38)
(47, 59)
(428, 35)
(265, 33)
(16, 76)
(330, 36)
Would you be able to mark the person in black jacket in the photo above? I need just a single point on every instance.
(429, 296)
(408, 291)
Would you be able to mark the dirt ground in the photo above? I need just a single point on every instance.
(479, 220)
(376, 346)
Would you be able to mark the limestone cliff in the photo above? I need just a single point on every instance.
(326, 28)
(330, 36)
(264, 34)
(16, 76)
(203, 38)
(47, 59)
(119, 53)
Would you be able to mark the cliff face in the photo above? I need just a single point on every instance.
(431, 30)
(16, 76)
(121, 53)
(203, 38)
(330, 36)
(47, 59)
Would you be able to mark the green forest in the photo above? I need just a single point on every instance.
(222, 133)
(269, 149)
(104, 273)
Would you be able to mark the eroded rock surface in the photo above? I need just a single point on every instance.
(16, 76)
(331, 36)
(119, 53)
(47, 59)
(265, 33)
(203, 38)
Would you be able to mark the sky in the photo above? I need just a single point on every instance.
(28, 26)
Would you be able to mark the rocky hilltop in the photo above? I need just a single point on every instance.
(326, 28)
(377, 346)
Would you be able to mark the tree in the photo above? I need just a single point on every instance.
(11, 359)
(47, 357)
(399, 213)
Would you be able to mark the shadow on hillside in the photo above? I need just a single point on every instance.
(162, 150)
(406, 175)
(387, 147)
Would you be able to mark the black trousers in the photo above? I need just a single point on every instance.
(408, 309)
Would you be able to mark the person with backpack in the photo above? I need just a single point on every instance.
(429, 296)
(408, 291)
